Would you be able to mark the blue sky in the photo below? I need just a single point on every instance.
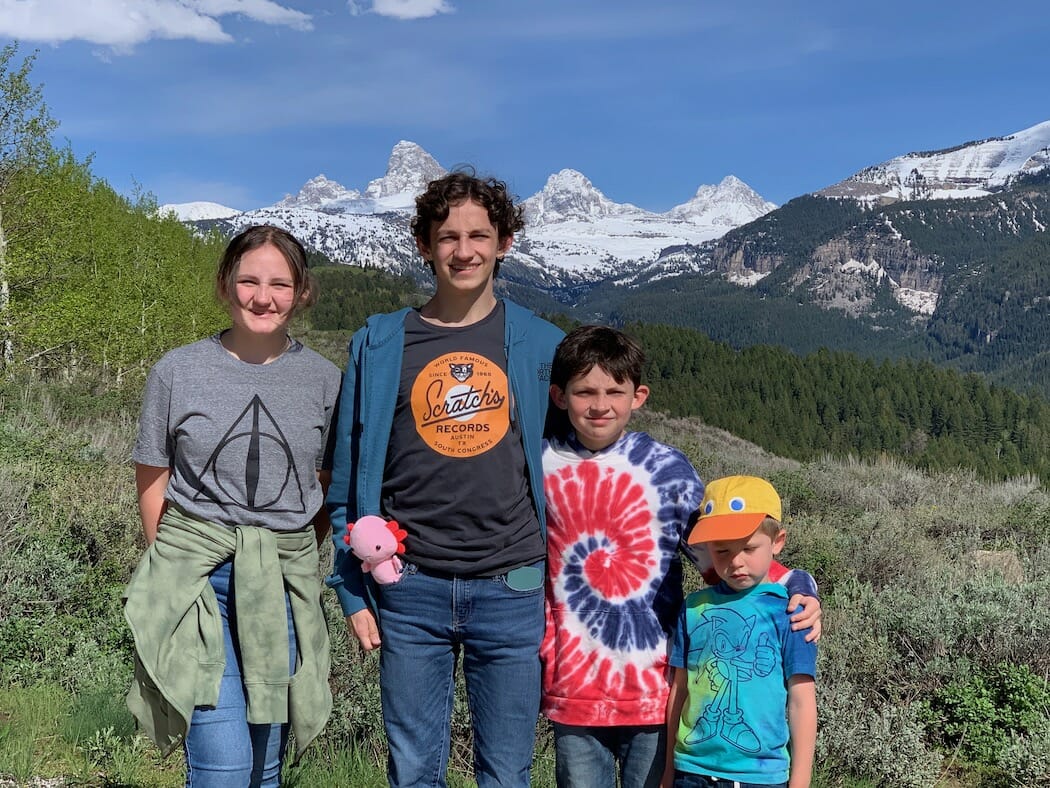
(241, 101)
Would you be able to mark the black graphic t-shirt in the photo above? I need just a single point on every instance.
(243, 441)
(455, 475)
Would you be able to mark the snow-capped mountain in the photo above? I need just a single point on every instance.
(408, 172)
(731, 203)
(963, 276)
(846, 258)
(574, 233)
(972, 169)
(569, 196)
(321, 194)
(197, 211)
(575, 228)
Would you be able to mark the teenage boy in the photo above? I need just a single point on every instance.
(440, 428)
(618, 505)
(737, 663)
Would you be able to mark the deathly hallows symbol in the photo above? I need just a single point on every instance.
(252, 466)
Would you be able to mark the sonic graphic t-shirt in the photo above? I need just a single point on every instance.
(243, 441)
(455, 476)
(739, 652)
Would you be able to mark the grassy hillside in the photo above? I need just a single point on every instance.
(933, 667)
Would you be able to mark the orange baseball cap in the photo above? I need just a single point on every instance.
(733, 508)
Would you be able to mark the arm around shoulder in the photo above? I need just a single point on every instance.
(802, 587)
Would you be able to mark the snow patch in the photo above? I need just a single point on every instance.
(749, 279)
(920, 301)
(197, 211)
(872, 268)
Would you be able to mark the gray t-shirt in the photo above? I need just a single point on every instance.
(243, 441)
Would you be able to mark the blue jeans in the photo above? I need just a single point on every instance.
(222, 749)
(588, 756)
(690, 780)
(425, 622)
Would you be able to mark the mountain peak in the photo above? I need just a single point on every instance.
(731, 182)
(732, 203)
(318, 192)
(972, 169)
(408, 171)
(569, 179)
(569, 195)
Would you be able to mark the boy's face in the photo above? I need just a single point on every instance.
(463, 249)
(744, 563)
(598, 406)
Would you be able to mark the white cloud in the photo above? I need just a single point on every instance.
(122, 25)
(265, 11)
(407, 9)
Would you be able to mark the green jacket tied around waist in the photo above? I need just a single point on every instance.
(174, 617)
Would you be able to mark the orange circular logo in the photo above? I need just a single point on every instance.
(460, 404)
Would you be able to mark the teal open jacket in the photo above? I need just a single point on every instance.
(366, 414)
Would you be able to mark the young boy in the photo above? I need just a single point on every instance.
(737, 663)
(440, 428)
(618, 504)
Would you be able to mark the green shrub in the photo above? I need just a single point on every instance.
(1026, 522)
(980, 715)
(796, 492)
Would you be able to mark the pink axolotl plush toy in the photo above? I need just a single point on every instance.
(377, 542)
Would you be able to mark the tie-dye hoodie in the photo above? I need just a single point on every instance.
(614, 522)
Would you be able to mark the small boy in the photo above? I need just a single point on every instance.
(618, 505)
(737, 663)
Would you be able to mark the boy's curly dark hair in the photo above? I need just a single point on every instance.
(432, 206)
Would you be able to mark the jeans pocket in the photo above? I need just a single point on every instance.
(408, 573)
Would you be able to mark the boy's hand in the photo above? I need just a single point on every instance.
(808, 617)
(362, 625)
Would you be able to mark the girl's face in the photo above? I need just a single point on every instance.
(263, 298)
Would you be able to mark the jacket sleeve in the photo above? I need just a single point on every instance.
(347, 579)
